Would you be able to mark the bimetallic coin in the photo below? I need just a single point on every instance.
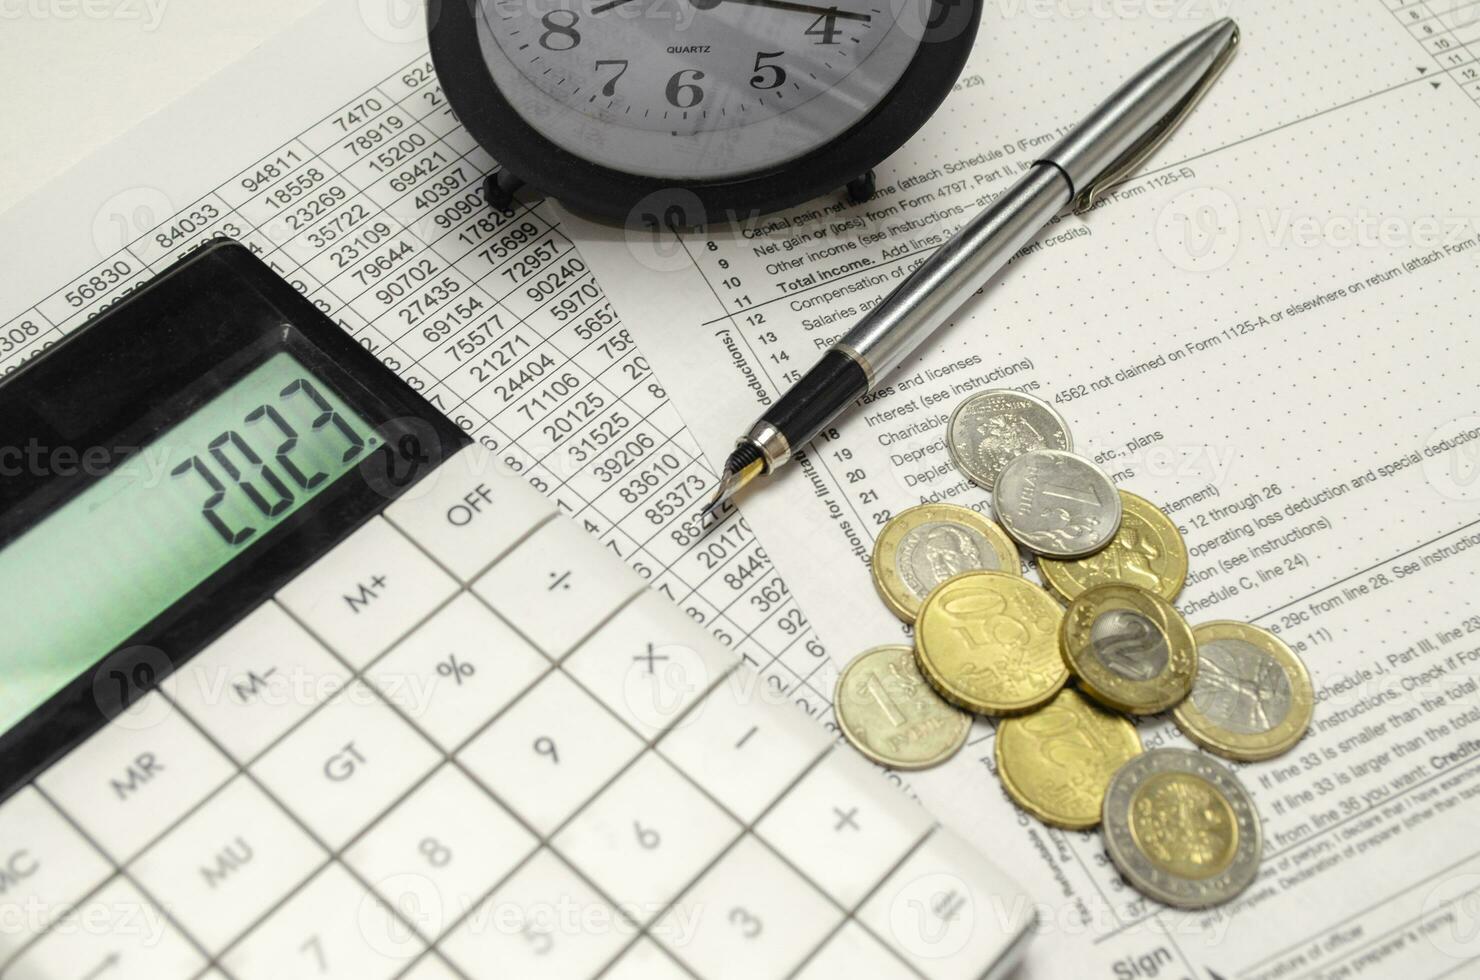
(990, 429)
(1252, 699)
(1147, 552)
(988, 642)
(1129, 648)
(890, 714)
(1181, 828)
(925, 545)
(1057, 504)
(1056, 762)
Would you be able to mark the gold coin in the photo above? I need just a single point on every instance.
(925, 545)
(1129, 648)
(1057, 762)
(1147, 552)
(988, 641)
(1252, 699)
(892, 715)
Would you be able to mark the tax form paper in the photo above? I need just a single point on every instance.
(1271, 335)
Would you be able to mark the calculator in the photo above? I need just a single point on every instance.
(296, 680)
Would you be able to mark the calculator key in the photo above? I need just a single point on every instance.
(255, 682)
(116, 934)
(457, 670)
(227, 864)
(46, 866)
(646, 836)
(346, 764)
(469, 511)
(544, 922)
(645, 960)
(557, 586)
(550, 752)
(440, 850)
(844, 826)
(743, 748)
(367, 593)
(332, 928)
(852, 952)
(650, 664)
(127, 783)
(749, 917)
(943, 910)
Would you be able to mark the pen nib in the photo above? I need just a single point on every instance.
(744, 465)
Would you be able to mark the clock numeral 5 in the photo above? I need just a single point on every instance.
(768, 76)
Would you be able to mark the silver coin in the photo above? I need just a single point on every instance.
(1181, 828)
(988, 430)
(1057, 504)
(931, 553)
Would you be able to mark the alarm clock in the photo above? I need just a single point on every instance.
(722, 108)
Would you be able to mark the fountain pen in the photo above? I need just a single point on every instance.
(1104, 150)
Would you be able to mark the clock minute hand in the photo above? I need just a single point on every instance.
(801, 8)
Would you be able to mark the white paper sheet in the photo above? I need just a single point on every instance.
(1270, 333)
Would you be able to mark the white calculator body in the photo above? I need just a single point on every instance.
(300, 683)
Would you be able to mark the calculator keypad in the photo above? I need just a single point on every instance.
(468, 742)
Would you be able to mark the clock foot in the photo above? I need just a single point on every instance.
(861, 189)
(499, 189)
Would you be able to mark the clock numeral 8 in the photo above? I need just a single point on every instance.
(554, 28)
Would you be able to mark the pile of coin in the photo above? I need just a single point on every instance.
(1066, 683)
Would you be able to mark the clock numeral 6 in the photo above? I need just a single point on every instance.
(685, 94)
(565, 28)
(768, 76)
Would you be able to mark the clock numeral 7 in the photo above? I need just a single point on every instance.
(776, 76)
(610, 88)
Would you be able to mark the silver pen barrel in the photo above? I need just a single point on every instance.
(937, 289)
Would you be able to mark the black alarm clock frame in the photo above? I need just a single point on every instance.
(846, 161)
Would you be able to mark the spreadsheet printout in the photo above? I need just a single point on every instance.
(1270, 333)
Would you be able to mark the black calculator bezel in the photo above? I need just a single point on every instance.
(141, 367)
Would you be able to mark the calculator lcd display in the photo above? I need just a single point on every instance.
(111, 559)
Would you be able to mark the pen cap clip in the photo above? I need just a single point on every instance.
(1115, 141)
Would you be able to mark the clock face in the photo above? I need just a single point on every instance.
(696, 89)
